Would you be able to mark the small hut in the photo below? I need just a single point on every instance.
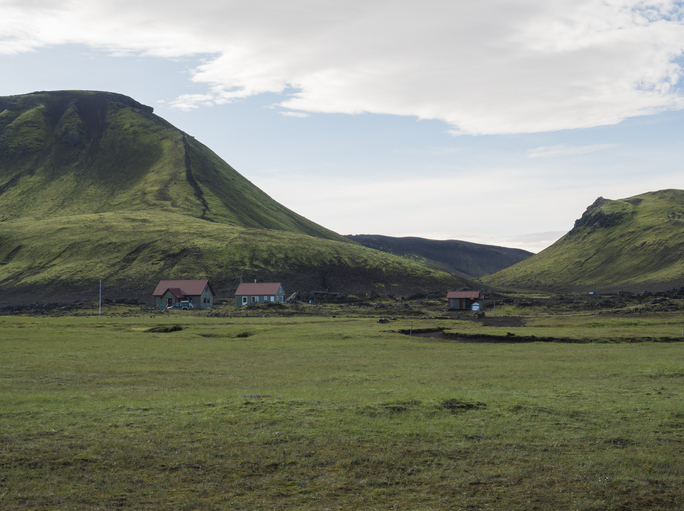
(464, 300)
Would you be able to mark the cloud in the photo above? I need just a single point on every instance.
(564, 150)
(294, 114)
(191, 101)
(496, 66)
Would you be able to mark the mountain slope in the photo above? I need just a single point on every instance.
(629, 244)
(131, 251)
(459, 257)
(74, 152)
(94, 186)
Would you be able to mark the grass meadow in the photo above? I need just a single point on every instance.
(322, 412)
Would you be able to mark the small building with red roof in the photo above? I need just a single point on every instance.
(171, 292)
(259, 292)
(464, 300)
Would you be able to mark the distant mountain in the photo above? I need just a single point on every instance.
(631, 244)
(460, 257)
(94, 185)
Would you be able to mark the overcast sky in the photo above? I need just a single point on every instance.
(496, 121)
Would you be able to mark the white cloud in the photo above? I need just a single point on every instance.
(294, 114)
(495, 66)
(192, 101)
(564, 150)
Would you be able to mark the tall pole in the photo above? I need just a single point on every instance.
(100, 308)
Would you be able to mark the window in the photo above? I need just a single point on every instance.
(244, 299)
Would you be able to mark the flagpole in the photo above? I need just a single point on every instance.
(100, 309)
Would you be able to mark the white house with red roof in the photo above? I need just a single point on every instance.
(464, 300)
(259, 292)
(171, 292)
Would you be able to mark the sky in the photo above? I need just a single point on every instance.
(496, 121)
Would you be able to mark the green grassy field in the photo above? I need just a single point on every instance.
(313, 412)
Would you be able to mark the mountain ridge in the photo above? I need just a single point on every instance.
(458, 257)
(630, 244)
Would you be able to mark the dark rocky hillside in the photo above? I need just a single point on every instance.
(460, 257)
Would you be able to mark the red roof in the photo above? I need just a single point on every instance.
(475, 295)
(177, 292)
(186, 287)
(257, 288)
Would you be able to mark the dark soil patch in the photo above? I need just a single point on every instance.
(504, 321)
(456, 405)
(423, 332)
(165, 329)
(511, 338)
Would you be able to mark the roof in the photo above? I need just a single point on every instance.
(177, 292)
(257, 288)
(476, 295)
(186, 287)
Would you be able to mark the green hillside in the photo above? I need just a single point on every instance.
(130, 251)
(629, 244)
(94, 186)
(73, 152)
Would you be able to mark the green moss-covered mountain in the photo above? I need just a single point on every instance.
(94, 185)
(459, 257)
(71, 153)
(631, 244)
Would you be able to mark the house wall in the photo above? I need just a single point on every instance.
(162, 301)
(205, 300)
(247, 299)
(279, 297)
(463, 303)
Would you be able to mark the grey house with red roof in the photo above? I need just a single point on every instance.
(171, 292)
(464, 300)
(259, 292)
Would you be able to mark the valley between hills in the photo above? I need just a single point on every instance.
(95, 187)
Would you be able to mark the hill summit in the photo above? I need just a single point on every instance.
(95, 186)
(72, 153)
(631, 244)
